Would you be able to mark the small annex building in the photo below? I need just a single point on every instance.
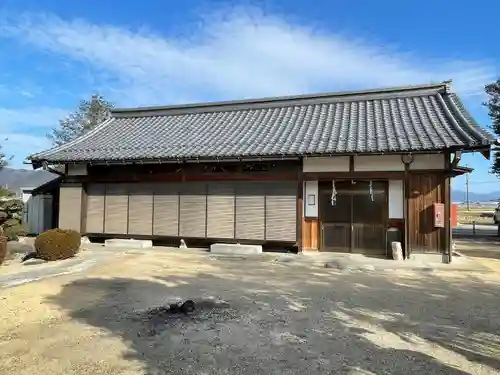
(327, 172)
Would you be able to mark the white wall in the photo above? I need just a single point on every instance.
(326, 164)
(428, 161)
(378, 163)
(25, 195)
(372, 163)
(310, 198)
(396, 199)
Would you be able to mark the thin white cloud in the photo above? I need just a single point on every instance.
(23, 130)
(236, 54)
(27, 94)
(30, 118)
(20, 145)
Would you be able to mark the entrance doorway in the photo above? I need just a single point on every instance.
(357, 221)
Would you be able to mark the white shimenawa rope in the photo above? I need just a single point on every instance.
(333, 198)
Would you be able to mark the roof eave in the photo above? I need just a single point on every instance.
(44, 155)
(46, 187)
(205, 159)
(459, 171)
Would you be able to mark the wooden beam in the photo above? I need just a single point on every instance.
(486, 153)
(200, 177)
(318, 176)
(243, 177)
(374, 176)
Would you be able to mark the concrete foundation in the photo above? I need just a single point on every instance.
(429, 257)
(235, 249)
(129, 243)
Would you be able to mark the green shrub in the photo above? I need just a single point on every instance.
(14, 232)
(57, 244)
(6, 193)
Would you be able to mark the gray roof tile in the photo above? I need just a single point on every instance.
(414, 118)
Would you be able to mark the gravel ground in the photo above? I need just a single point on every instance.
(14, 273)
(267, 318)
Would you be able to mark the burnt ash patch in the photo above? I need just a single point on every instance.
(156, 320)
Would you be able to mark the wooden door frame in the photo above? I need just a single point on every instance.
(321, 222)
(415, 201)
(351, 242)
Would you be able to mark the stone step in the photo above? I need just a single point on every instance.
(128, 243)
(235, 249)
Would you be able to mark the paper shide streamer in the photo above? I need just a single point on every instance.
(333, 198)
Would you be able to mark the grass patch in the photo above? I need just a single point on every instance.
(480, 215)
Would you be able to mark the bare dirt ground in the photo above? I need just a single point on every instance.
(279, 319)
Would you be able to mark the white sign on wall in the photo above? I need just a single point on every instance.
(310, 198)
(396, 199)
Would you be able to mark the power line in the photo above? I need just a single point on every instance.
(484, 182)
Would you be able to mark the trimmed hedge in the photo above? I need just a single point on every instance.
(56, 244)
(14, 232)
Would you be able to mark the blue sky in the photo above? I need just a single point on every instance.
(151, 52)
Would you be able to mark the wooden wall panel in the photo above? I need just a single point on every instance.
(193, 210)
(70, 206)
(281, 212)
(425, 190)
(140, 209)
(166, 209)
(250, 211)
(116, 209)
(95, 208)
(310, 234)
(220, 210)
(258, 210)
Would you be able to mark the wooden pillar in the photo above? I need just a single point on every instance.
(447, 208)
(309, 230)
(447, 218)
(310, 234)
(407, 223)
(83, 209)
(300, 212)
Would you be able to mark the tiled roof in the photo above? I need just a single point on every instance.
(413, 118)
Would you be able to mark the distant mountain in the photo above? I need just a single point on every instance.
(459, 196)
(14, 179)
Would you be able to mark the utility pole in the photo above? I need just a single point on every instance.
(467, 190)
